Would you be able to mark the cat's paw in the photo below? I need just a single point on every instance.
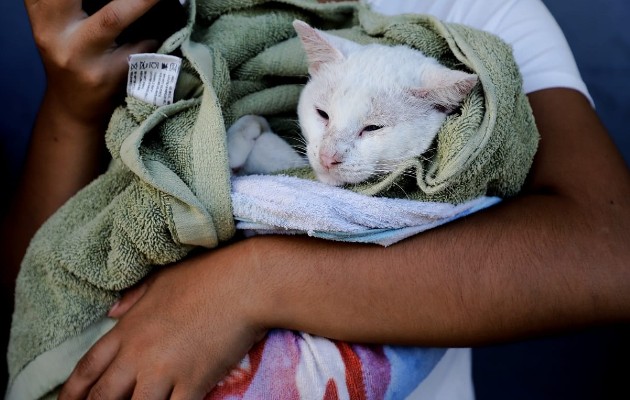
(254, 149)
(271, 153)
(241, 138)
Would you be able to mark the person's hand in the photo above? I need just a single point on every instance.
(178, 334)
(85, 68)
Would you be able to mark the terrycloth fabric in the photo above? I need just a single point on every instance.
(287, 205)
(294, 364)
(486, 148)
(168, 190)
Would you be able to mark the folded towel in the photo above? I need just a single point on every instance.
(276, 204)
(167, 190)
(289, 363)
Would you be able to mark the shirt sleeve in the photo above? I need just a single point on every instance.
(540, 48)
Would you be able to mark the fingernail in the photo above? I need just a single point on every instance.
(113, 308)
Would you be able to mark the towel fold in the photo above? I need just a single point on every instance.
(168, 190)
(287, 205)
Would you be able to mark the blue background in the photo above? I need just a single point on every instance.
(591, 364)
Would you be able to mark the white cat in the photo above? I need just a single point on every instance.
(364, 110)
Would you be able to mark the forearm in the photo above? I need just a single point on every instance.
(554, 258)
(505, 273)
(63, 156)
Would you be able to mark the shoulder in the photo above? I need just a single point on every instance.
(539, 46)
(496, 16)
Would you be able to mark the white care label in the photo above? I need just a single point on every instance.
(152, 77)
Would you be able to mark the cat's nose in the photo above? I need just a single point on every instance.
(329, 160)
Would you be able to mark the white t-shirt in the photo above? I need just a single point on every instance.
(545, 61)
(540, 48)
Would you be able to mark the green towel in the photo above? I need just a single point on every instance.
(167, 190)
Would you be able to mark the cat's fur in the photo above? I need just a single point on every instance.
(365, 109)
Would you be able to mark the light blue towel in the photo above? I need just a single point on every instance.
(279, 204)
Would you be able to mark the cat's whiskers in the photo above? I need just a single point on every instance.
(359, 127)
(300, 148)
(402, 190)
(300, 145)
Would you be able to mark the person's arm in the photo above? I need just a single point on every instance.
(84, 71)
(552, 259)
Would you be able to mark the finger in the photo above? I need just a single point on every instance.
(153, 389)
(116, 383)
(89, 369)
(59, 7)
(109, 22)
(53, 15)
(113, 67)
(127, 301)
(121, 61)
(186, 392)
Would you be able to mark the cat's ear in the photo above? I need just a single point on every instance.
(445, 87)
(322, 48)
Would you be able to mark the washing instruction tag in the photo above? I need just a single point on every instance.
(152, 77)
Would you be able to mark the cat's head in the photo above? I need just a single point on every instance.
(367, 108)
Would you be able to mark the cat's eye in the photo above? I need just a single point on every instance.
(322, 114)
(440, 108)
(370, 128)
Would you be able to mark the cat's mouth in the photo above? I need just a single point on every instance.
(328, 179)
(340, 177)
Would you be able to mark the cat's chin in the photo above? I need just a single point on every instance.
(329, 180)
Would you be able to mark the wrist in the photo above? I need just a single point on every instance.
(278, 275)
(72, 120)
(260, 288)
(65, 154)
(61, 135)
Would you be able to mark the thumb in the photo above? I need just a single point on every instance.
(128, 299)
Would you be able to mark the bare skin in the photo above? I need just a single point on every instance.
(85, 71)
(553, 259)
